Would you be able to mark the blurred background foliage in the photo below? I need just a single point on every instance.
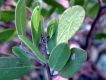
(91, 36)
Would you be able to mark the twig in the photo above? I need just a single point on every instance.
(43, 50)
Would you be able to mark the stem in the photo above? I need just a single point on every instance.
(48, 72)
(43, 50)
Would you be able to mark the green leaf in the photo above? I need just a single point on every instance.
(7, 15)
(74, 64)
(77, 2)
(7, 35)
(52, 28)
(35, 18)
(29, 2)
(52, 31)
(101, 36)
(36, 25)
(58, 7)
(13, 68)
(33, 48)
(92, 9)
(20, 53)
(69, 23)
(59, 57)
(20, 17)
(1, 2)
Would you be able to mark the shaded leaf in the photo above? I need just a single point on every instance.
(101, 36)
(13, 68)
(69, 23)
(20, 17)
(52, 31)
(74, 64)
(58, 7)
(77, 2)
(7, 15)
(7, 35)
(92, 9)
(59, 57)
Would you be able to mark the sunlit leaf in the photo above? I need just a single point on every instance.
(69, 23)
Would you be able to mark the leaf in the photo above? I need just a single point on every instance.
(6, 35)
(1, 2)
(47, 12)
(52, 28)
(35, 18)
(74, 64)
(52, 31)
(92, 9)
(69, 23)
(7, 15)
(13, 68)
(37, 28)
(77, 2)
(59, 57)
(20, 17)
(32, 48)
(101, 36)
(20, 53)
(29, 2)
(58, 7)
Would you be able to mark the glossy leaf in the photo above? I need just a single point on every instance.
(13, 68)
(74, 64)
(52, 32)
(33, 48)
(20, 17)
(59, 57)
(7, 35)
(7, 15)
(69, 23)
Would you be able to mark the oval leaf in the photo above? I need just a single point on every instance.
(69, 22)
(74, 64)
(20, 17)
(59, 57)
